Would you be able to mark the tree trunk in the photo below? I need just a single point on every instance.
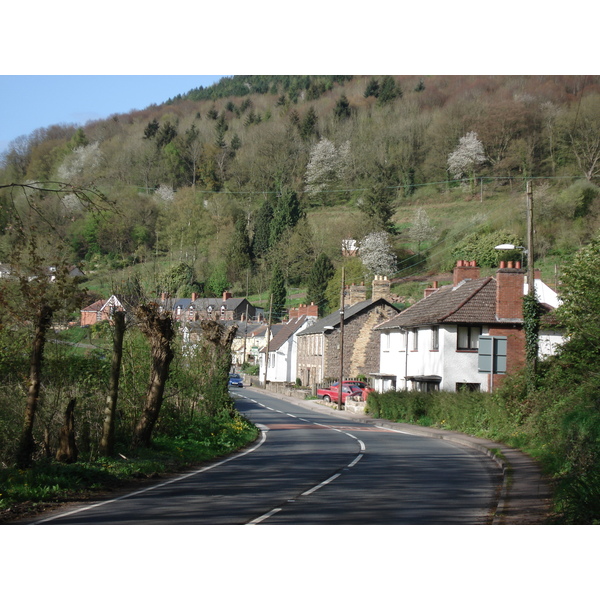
(107, 443)
(67, 448)
(158, 328)
(215, 362)
(26, 445)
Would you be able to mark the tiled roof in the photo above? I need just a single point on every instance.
(95, 307)
(472, 301)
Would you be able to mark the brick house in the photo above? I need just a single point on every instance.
(319, 345)
(465, 335)
(100, 310)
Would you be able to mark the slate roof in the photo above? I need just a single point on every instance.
(283, 335)
(333, 319)
(472, 301)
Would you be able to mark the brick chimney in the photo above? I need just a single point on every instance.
(194, 296)
(226, 296)
(381, 288)
(434, 288)
(509, 291)
(465, 269)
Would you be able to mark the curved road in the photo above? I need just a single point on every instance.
(315, 468)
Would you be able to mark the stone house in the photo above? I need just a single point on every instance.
(319, 357)
(467, 335)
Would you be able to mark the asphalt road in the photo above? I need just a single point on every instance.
(314, 468)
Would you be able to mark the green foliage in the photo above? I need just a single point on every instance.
(278, 292)
(318, 280)
(480, 247)
(388, 91)
(192, 442)
(217, 283)
(342, 108)
(579, 312)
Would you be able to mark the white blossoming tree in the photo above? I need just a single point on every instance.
(327, 166)
(376, 254)
(467, 156)
(81, 163)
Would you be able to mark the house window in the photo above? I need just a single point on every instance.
(415, 340)
(467, 387)
(385, 342)
(435, 338)
(468, 338)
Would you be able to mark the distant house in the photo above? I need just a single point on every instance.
(319, 345)
(101, 310)
(279, 357)
(225, 308)
(467, 335)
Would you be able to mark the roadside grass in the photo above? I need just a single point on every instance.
(48, 482)
(558, 425)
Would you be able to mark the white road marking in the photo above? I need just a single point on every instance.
(396, 430)
(265, 516)
(262, 440)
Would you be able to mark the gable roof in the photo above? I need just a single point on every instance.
(285, 333)
(471, 301)
(333, 320)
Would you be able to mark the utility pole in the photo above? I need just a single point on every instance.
(268, 340)
(341, 387)
(245, 336)
(530, 266)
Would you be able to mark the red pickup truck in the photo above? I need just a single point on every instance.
(330, 394)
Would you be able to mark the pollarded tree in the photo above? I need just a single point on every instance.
(158, 328)
(39, 287)
(467, 156)
(318, 280)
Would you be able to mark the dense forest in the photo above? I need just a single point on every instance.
(216, 187)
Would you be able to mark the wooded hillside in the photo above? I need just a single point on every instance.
(218, 185)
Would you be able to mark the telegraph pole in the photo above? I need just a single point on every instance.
(268, 340)
(530, 266)
(341, 387)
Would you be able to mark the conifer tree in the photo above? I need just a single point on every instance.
(277, 289)
(342, 108)
(286, 214)
(318, 280)
(261, 242)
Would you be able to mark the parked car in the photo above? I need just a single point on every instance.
(365, 389)
(236, 380)
(330, 394)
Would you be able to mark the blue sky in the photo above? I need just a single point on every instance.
(28, 102)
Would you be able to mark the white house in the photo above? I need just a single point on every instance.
(465, 335)
(283, 351)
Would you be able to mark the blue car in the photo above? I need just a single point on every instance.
(236, 380)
